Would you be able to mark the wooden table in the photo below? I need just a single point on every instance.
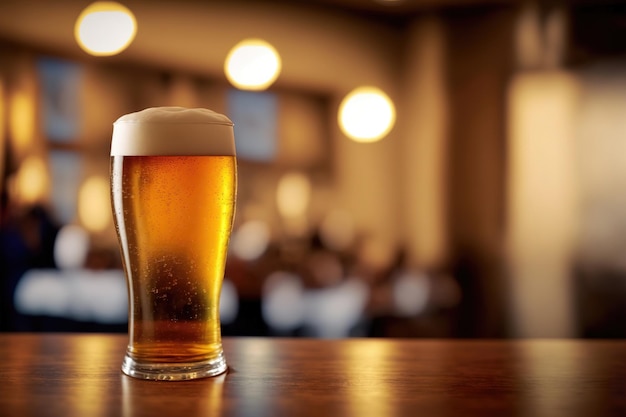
(79, 375)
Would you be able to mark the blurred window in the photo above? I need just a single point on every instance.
(255, 117)
(60, 104)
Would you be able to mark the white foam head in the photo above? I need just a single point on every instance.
(173, 131)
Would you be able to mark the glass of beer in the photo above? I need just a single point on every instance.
(173, 190)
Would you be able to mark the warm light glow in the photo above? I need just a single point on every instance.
(376, 356)
(32, 180)
(367, 114)
(252, 64)
(94, 207)
(105, 28)
(540, 360)
(251, 240)
(293, 195)
(21, 121)
(542, 200)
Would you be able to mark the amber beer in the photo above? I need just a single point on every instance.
(173, 187)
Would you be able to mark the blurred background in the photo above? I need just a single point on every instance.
(494, 207)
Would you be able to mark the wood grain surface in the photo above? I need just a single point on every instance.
(70, 375)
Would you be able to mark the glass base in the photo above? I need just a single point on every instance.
(174, 371)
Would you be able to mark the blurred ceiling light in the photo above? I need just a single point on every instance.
(94, 207)
(293, 195)
(32, 180)
(105, 28)
(252, 64)
(366, 114)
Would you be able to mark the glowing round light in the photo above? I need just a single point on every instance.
(105, 28)
(293, 194)
(94, 205)
(367, 114)
(251, 240)
(252, 64)
(21, 120)
(32, 180)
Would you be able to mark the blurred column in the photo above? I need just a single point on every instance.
(3, 137)
(366, 178)
(542, 190)
(423, 150)
(479, 57)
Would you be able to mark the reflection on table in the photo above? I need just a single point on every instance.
(79, 375)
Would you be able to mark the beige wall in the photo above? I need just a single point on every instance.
(423, 144)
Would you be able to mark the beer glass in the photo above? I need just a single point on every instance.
(173, 190)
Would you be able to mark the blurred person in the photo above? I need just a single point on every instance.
(27, 239)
